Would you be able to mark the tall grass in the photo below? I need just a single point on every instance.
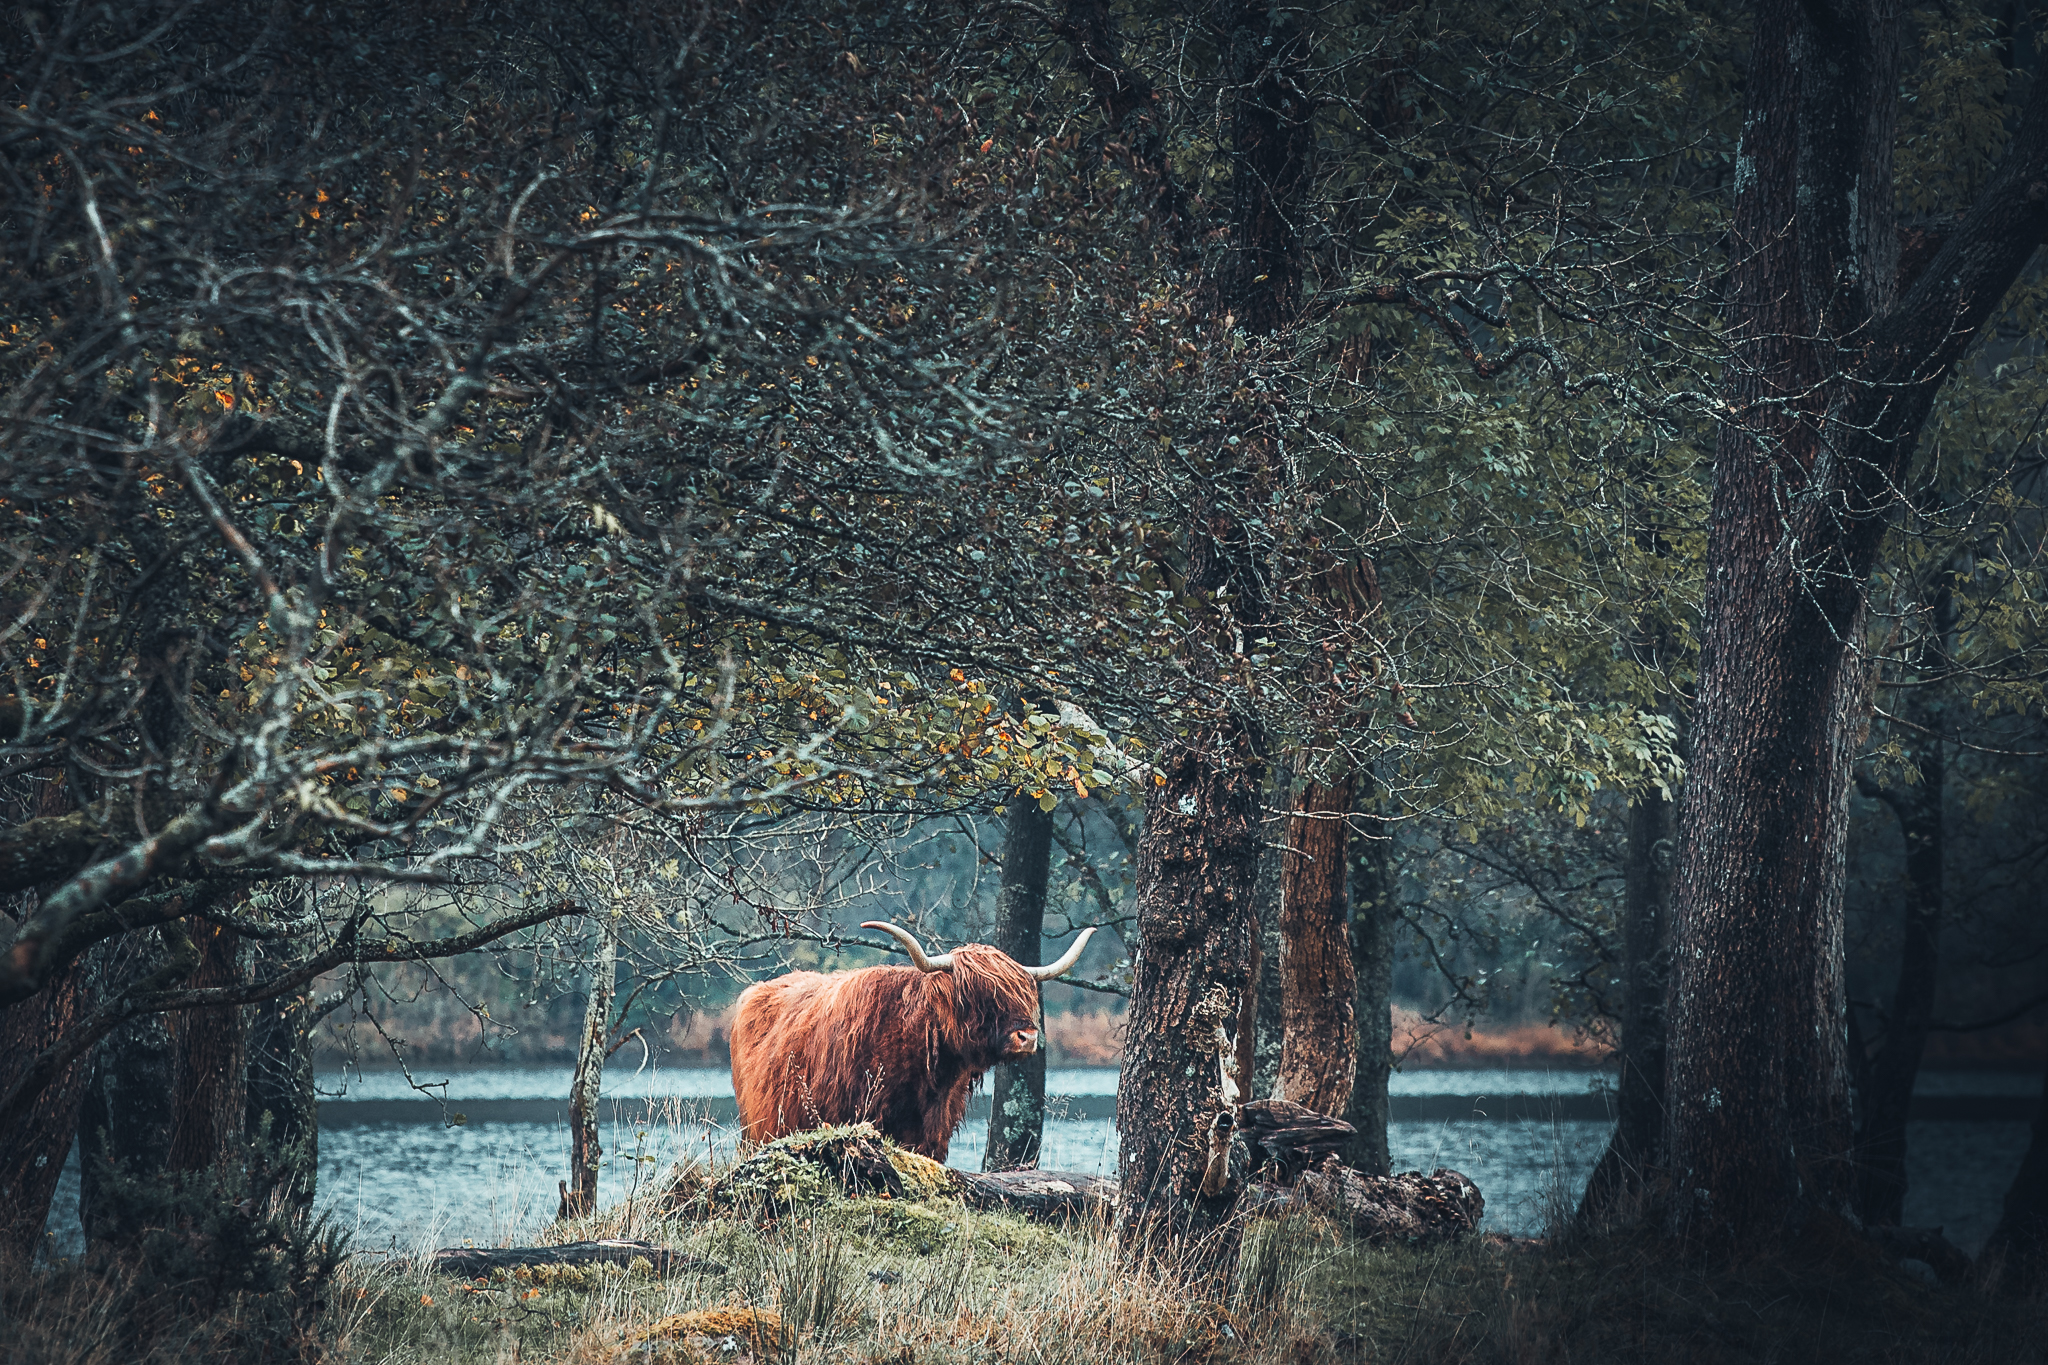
(898, 1282)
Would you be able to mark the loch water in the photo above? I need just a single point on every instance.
(447, 1157)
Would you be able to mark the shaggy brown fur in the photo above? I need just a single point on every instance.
(894, 1046)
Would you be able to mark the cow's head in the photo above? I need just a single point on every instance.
(995, 996)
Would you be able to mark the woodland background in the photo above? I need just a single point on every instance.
(521, 518)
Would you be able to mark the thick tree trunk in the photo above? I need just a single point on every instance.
(209, 1054)
(1197, 870)
(281, 1093)
(1831, 376)
(34, 1146)
(579, 1192)
(1885, 1088)
(2016, 1256)
(125, 1117)
(1016, 1120)
(1198, 857)
(1887, 1094)
(1319, 1055)
(1616, 1188)
(1372, 964)
(1758, 1078)
(1272, 1027)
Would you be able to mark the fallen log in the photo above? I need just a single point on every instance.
(1410, 1208)
(1048, 1196)
(475, 1262)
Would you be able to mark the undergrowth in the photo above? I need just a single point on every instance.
(223, 1266)
(880, 1281)
(885, 1281)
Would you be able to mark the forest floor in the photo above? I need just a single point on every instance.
(897, 1282)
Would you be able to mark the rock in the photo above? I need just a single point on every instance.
(1919, 1270)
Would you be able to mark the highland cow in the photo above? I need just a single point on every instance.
(899, 1047)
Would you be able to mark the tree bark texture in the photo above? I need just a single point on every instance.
(2016, 1256)
(1886, 1095)
(36, 1140)
(1272, 878)
(280, 1087)
(1834, 369)
(1197, 871)
(1615, 1189)
(1198, 857)
(1372, 966)
(33, 1147)
(1016, 1119)
(579, 1192)
(209, 1055)
(125, 1117)
(1319, 1054)
(1885, 1083)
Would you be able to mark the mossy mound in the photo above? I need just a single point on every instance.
(807, 1171)
(922, 1177)
(897, 1226)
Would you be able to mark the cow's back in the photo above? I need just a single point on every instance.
(772, 1043)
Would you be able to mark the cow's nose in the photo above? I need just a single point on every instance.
(1025, 1040)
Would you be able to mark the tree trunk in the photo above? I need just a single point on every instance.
(125, 1118)
(1615, 1191)
(33, 1148)
(1372, 963)
(579, 1192)
(1885, 1094)
(1832, 373)
(209, 1077)
(1271, 1027)
(1884, 1101)
(2016, 1256)
(1319, 1055)
(1016, 1119)
(1198, 856)
(1197, 871)
(34, 1145)
(281, 1093)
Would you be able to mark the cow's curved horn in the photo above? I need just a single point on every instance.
(942, 963)
(1067, 959)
